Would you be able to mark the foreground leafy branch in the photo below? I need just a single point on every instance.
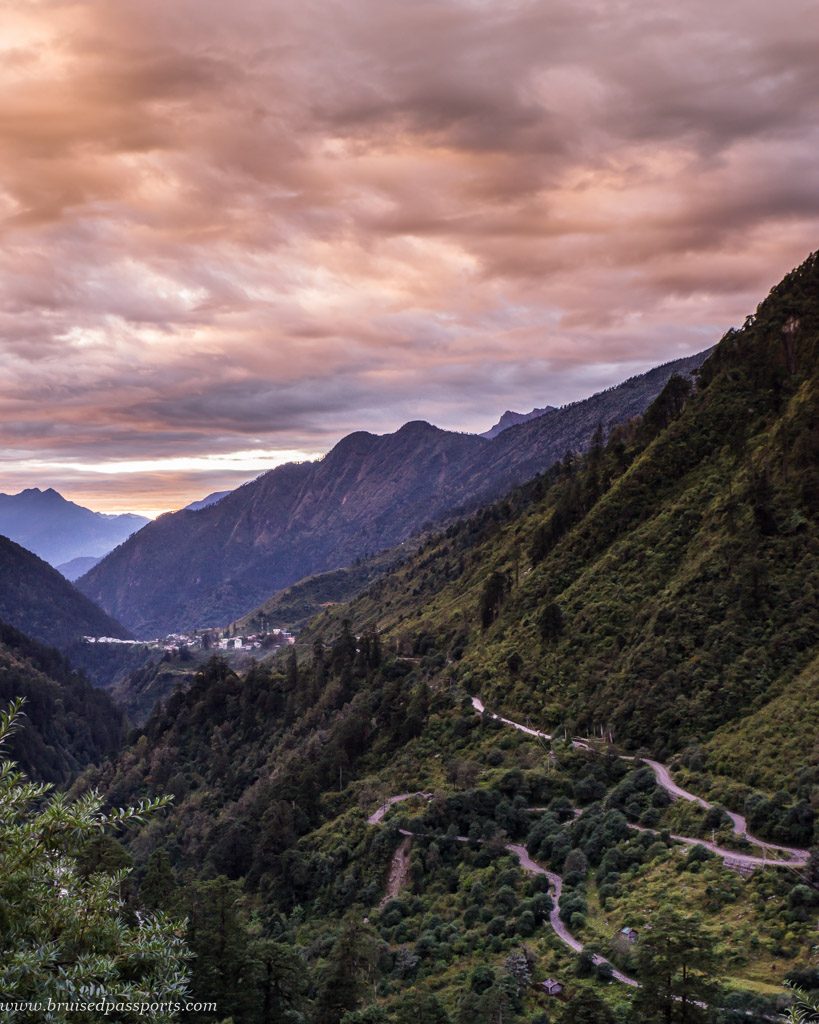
(803, 1010)
(68, 936)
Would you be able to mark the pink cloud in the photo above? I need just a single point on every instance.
(266, 224)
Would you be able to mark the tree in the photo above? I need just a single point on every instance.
(494, 591)
(292, 671)
(65, 933)
(678, 967)
(350, 968)
(550, 622)
(219, 939)
(158, 884)
(369, 1015)
(277, 976)
(587, 1008)
(519, 965)
(667, 406)
(419, 1007)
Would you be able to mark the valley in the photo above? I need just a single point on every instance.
(409, 512)
(549, 756)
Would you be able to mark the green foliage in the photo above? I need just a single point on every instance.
(420, 1007)
(803, 1010)
(70, 723)
(349, 971)
(586, 1008)
(494, 591)
(67, 932)
(678, 968)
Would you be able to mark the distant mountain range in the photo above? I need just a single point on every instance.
(511, 419)
(60, 531)
(208, 567)
(38, 601)
(77, 567)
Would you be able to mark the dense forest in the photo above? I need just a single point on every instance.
(70, 723)
(41, 603)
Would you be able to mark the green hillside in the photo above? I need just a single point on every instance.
(294, 606)
(658, 594)
(662, 588)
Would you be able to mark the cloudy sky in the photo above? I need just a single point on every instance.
(233, 232)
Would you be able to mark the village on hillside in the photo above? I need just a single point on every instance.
(207, 640)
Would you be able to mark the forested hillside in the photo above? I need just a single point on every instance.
(41, 603)
(659, 595)
(69, 723)
(666, 585)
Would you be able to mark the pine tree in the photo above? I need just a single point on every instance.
(350, 968)
(678, 967)
(158, 885)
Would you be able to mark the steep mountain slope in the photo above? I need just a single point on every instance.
(523, 451)
(369, 493)
(69, 724)
(294, 606)
(204, 568)
(37, 600)
(661, 590)
(58, 530)
(511, 419)
(666, 586)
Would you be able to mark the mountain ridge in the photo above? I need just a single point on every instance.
(511, 419)
(39, 602)
(369, 493)
(58, 530)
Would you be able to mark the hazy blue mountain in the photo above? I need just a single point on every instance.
(77, 567)
(58, 530)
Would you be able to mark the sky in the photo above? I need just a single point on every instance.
(234, 232)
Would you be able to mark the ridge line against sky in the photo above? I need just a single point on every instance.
(256, 227)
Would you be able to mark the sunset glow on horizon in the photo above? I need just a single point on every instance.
(234, 233)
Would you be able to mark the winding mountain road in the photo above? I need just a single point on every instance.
(531, 867)
(378, 815)
(795, 858)
(400, 865)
